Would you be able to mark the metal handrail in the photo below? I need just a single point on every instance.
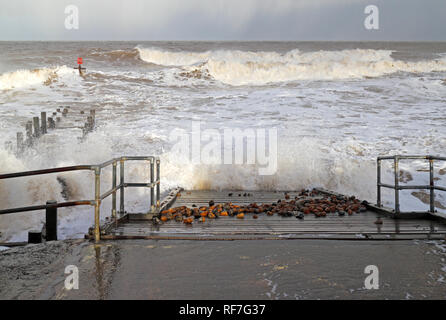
(396, 158)
(154, 186)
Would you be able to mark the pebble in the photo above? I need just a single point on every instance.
(320, 205)
(378, 221)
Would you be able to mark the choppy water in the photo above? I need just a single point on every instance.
(337, 106)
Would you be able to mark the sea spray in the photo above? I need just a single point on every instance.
(25, 78)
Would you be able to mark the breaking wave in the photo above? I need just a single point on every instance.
(235, 67)
(24, 78)
(116, 55)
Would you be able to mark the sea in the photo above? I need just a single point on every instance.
(335, 106)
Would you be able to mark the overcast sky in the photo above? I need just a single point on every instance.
(399, 20)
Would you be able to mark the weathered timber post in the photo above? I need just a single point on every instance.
(34, 236)
(51, 123)
(43, 121)
(90, 123)
(36, 127)
(29, 133)
(20, 143)
(93, 116)
(51, 221)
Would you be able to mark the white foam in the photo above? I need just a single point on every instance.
(25, 78)
(258, 68)
(168, 58)
(330, 131)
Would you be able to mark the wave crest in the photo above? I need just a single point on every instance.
(24, 78)
(235, 67)
(117, 55)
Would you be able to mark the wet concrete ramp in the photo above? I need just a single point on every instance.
(359, 226)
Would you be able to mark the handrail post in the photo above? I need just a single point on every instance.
(152, 188)
(158, 182)
(97, 203)
(397, 190)
(121, 173)
(114, 190)
(51, 221)
(378, 183)
(431, 184)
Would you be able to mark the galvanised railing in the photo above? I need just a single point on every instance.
(154, 186)
(397, 187)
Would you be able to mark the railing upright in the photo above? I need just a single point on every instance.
(152, 188)
(121, 192)
(397, 190)
(378, 184)
(158, 182)
(396, 159)
(114, 190)
(97, 204)
(431, 184)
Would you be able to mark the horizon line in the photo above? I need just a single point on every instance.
(266, 40)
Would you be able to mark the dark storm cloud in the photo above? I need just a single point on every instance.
(223, 20)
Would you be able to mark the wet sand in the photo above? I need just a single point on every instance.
(265, 269)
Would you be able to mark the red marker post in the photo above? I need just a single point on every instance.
(80, 61)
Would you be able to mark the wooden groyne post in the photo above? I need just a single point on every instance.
(29, 133)
(43, 128)
(38, 127)
(20, 143)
